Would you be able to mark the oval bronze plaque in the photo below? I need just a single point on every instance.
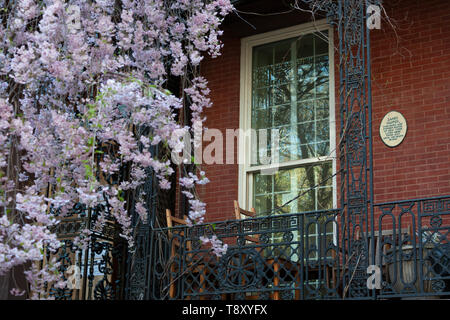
(393, 129)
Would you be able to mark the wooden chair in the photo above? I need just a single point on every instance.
(198, 268)
(174, 221)
(239, 212)
(378, 238)
(386, 248)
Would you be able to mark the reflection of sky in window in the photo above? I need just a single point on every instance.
(290, 92)
(98, 258)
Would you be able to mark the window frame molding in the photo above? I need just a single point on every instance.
(245, 172)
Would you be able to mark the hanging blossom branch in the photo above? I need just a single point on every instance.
(81, 95)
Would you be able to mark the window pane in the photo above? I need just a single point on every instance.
(322, 109)
(307, 203)
(305, 46)
(306, 111)
(262, 77)
(281, 115)
(313, 185)
(305, 133)
(282, 51)
(262, 98)
(282, 181)
(322, 149)
(321, 65)
(306, 151)
(305, 68)
(291, 84)
(263, 203)
(322, 131)
(263, 184)
(321, 43)
(263, 57)
(324, 200)
(282, 73)
(261, 118)
(280, 199)
(306, 89)
(323, 172)
(281, 94)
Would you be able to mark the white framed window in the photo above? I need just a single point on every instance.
(287, 83)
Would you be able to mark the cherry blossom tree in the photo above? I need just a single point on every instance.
(83, 92)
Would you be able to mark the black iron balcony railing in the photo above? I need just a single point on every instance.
(312, 255)
(295, 255)
(416, 262)
(306, 256)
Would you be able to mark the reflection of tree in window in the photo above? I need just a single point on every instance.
(290, 92)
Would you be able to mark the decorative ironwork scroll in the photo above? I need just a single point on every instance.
(355, 149)
(94, 272)
(295, 257)
(414, 254)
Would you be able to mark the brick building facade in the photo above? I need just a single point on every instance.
(410, 63)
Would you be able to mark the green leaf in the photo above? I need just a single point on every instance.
(119, 195)
(90, 141)
(89, 173)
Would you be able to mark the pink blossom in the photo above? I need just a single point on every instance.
(142, 211)
(91, 102)
(217, 246)
(17, 292)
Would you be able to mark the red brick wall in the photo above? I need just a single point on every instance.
(223, 75)
(410, 74)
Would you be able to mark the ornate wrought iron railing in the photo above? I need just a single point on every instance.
(95, 271)
(279, 257)
(294, 257)
(414, 253)
(302, 256)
